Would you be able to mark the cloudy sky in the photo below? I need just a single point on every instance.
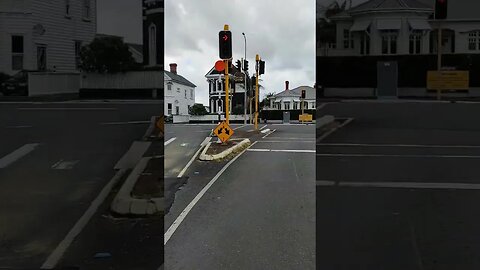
(121, 18)
(280, 31)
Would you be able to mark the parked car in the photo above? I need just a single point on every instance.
(16, 85)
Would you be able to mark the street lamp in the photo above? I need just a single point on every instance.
(245, 83)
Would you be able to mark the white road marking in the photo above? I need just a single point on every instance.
(239, 127)
(268, 133)
(64, 165)
(263, 127)
(396, 156)
(57, 254)
(66, 109)
(19, 126)
(169, 141)
(287, 141)
(126, 123)
(171, 230)
(182, 172)
(265, 131)
(281, 150)
(335, 129)
(321, 106)
(411, 185)
(17, 154)
(398, 145)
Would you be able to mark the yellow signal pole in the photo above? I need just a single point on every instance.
(257, 58)
(227, 96)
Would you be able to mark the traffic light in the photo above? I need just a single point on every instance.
(441, 7)
(225, 44)
(261, 69)
(239, 65)
(245, 65)
(303, 94)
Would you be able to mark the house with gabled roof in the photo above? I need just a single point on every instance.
(216, 90)
(403, 27)
(290, 99)
(179, 93)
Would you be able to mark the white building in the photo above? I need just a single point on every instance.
(44, 35)
(290, 99)
(216, 90)
(179, 93)
(401, 27)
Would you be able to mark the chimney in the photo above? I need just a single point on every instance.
(286, 85)
(173, 68)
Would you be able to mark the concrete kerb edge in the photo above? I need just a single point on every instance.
(223, 154)
(125, 204)
(325, 120)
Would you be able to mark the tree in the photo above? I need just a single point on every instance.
(326, 29)
(197, 109)
(265, 101)
(107, 55)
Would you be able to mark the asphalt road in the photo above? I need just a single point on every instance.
(398, 187)
(54, 160)
(260, 212)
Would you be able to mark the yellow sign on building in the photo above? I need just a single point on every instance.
(223, 131)
(448, 80)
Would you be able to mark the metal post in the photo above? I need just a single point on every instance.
(439, 55)
(245, 82)
(227, 96)
(257, 58)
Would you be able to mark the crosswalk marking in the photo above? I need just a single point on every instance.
(64, 165)
(17, 154)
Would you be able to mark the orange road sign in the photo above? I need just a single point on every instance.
(305, 117)
(160, 124)
(223, 131)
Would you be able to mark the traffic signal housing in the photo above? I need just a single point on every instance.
(225, 44)
(441, 8)
(245, 65)
(238, 64)
(261, 68)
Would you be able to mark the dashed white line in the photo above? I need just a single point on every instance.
(268, 133)
(410, 185)
(281, 150)
(396, 156)
(398, 145)
(17, 154)
(171, 230)
(170, 141)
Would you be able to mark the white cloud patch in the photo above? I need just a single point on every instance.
(282, 32)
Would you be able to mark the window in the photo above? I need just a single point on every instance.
(169, 110)
(185, 93)
(474, 41)
(67, 8)
(178, 89)
(41, 57)
(169, 86)
(295, 105)
(287, 105)
(347, 39)
(415, 42)
(78, 47)
(188, 107)
(86, 9)
(152, 45)
(365, 44)
(191, 93)
(389, 42)
(17, 52)
(177, 110)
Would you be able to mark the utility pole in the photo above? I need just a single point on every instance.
(245, 82)
(257, 59)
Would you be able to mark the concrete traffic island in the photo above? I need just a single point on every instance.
(142, 191)
(216, 151)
